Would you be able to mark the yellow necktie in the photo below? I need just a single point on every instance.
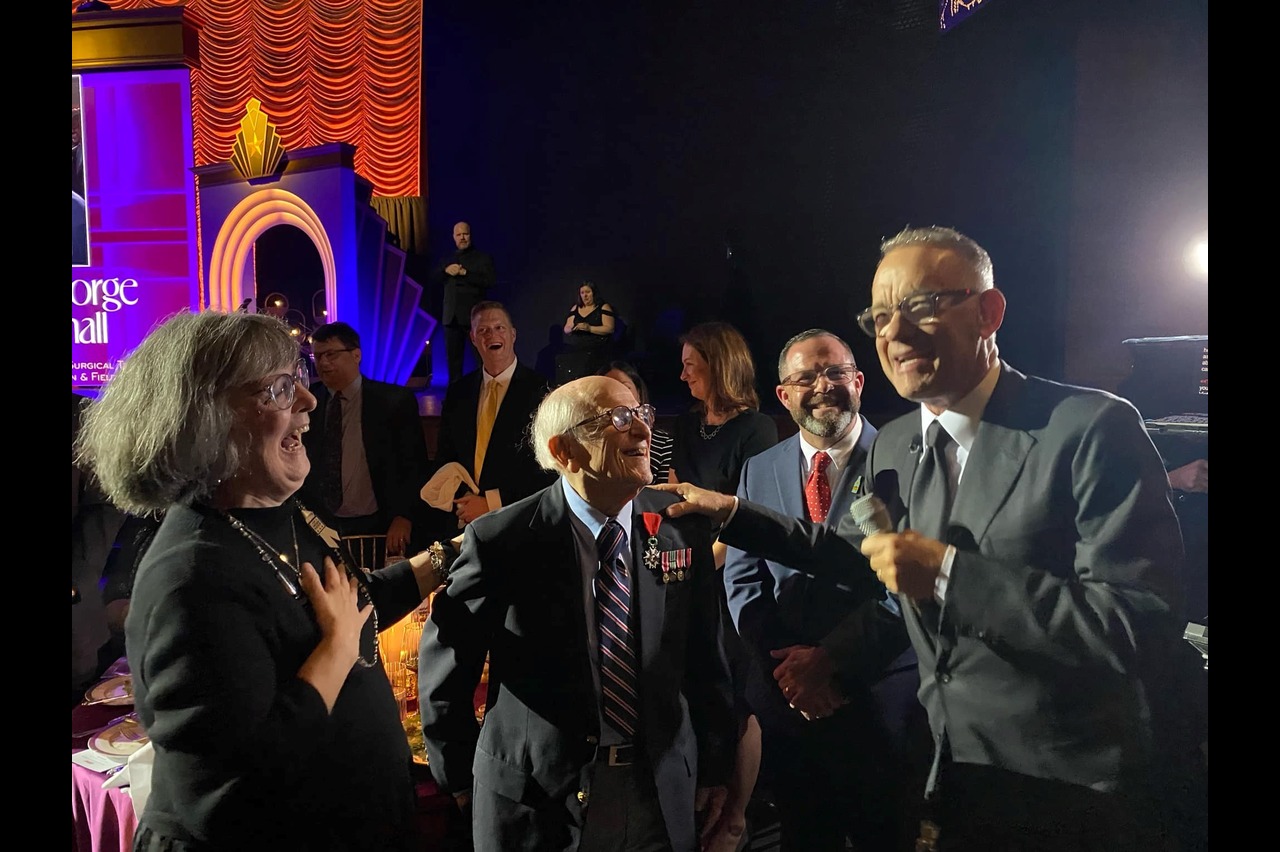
(484, 424)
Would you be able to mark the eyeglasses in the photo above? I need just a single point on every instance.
(622, 417)
(330, 354)
(916, 309)
(284, 387)
(836, 374)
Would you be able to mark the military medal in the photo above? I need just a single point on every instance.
(652, 522)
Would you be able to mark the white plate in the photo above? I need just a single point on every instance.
(113, 691)
(120, 740)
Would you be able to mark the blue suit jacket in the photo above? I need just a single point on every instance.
(774, 605)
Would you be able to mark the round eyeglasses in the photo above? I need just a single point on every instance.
(917, 309)
(622, 417)
(283, 388)
(836, 374)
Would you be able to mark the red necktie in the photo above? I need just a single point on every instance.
(817, 491)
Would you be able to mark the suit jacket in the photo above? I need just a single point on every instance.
(462, 292)
(517, 593)
(394, 446)
(1064, 593)
(774, 605)
(509, 463)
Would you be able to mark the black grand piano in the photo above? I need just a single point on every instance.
(1169, 384)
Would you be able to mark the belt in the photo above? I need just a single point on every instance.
(618, 755)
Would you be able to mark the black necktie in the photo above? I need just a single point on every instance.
(333, 454)
(619, 683)
(930, 506)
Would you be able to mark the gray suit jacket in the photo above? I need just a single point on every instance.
(1064, 595)
(517, 594)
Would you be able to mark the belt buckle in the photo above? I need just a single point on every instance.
(620, 755)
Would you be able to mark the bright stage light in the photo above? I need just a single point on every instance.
(1198, 257)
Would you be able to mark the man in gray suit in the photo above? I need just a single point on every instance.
(1039, 578)
(833, 680)
(609, 711)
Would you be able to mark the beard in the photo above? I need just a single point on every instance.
(830, 425)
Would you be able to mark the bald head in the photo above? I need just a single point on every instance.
(574, 436)
(462, 236)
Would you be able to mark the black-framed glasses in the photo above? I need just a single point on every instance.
(622, 417)
(330, 354)
(284, 387)
(916, 309)
(836, 374)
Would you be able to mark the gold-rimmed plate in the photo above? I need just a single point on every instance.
(119, 740)
(112, 691)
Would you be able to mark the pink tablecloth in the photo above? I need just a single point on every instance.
(101, 820)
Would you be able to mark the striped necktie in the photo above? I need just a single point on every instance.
(618, 664)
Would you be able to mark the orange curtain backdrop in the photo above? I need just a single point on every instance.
(325, 71)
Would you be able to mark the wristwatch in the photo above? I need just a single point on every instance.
(441, 562)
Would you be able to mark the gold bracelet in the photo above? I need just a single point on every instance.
(441, 562)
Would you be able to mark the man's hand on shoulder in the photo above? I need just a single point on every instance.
(718, 507)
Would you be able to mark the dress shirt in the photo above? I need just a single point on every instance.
(358, 500)
(840, 452)
(961, 422)
(587, 522)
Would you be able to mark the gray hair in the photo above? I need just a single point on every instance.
(809, 334)
(566, 405)
(162, 430)
(947, 238)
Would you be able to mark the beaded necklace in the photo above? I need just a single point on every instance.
(275, 559)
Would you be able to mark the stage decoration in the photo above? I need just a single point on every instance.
(257, 151)
(367, 91)
(952, 12)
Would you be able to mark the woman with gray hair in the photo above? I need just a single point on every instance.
(252, 641)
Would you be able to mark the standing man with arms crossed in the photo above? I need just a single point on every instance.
(834, 678)
(466, 276)
(368, 454)
(1037, 562)
(485, 419)
(609, 708)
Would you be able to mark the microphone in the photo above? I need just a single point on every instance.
(871, 515)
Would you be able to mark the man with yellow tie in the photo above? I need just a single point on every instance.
(485, 418)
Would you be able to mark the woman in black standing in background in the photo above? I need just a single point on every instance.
(723, 429)
(588, 333)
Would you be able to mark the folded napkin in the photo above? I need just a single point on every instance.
(136, 775)
(442, 488)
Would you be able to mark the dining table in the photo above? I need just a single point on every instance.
(103, 820)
